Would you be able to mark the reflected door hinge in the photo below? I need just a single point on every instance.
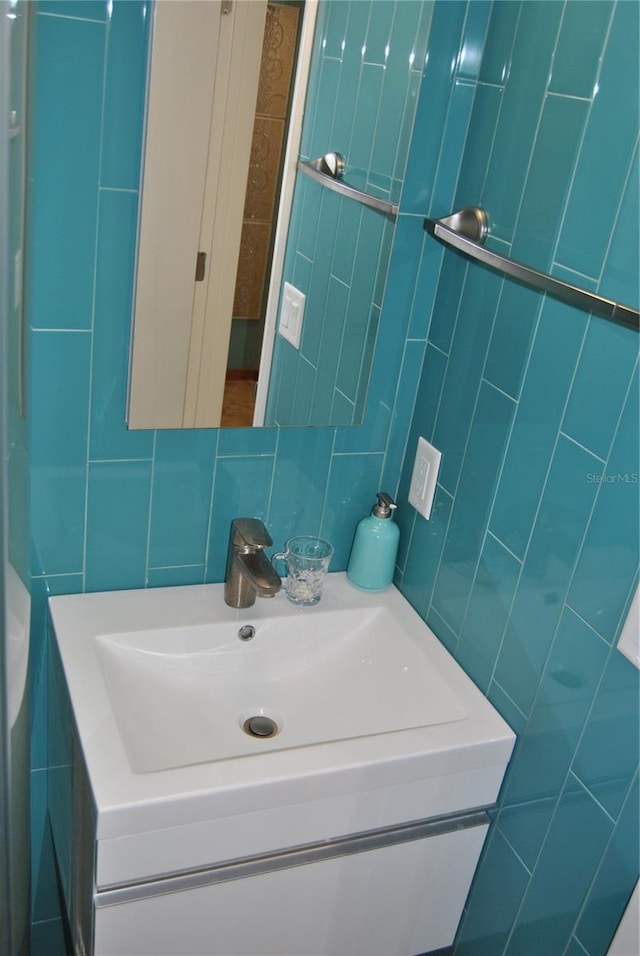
(201, 262)
(226, 6)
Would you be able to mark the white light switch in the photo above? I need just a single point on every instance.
(291, 314)
(424, 477)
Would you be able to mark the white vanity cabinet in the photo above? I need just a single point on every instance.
(397, 900)
(364, 845)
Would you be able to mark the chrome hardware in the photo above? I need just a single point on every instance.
(247, 632)
(466, 230)
(328, 170)
(249, 571)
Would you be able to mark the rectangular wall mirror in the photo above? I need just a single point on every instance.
(237, 93)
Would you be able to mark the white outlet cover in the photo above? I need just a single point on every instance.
(291, 314)
(629, 642)
(424, 477)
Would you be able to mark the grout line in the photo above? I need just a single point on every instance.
(492, 534)
(150, 508)
(581, 446)
(210, 512)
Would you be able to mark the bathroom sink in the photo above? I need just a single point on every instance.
(185, 695)
(201, 746)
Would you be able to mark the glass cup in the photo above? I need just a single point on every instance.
(307, 562)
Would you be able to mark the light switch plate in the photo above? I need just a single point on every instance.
(291, 314)
(424, 477)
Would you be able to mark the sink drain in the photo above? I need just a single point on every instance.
(260, 726)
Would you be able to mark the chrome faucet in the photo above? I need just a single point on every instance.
(249, 571)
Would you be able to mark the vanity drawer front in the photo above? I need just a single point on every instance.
(148, 855)
(403, 899)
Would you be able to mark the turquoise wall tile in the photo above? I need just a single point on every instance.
(58, 411)
(379, 33)
(487, 612)
(482, 461)
(548, 180)
(537, 772)
(550, 371)
(241, 488)
(565, 506)
(124, 95)
(592, 414)
(496, 61)
(315, 304)
(511, 336)
(316, 144)
(397, 432)
(608, 561)
(349, 82)
(47, 936)
(580, 44)
(515, 134)
(577, 837)
(613, 118)
(117, 229)
(448, 296)
(181, 497)
(444, 44)
(607, 759)
(329, 351)
(64, 169)
(173, 576)
(78, 9)
(482, 127)
(117, 524)
(334, 30)
(486, 927)
(395, 108)
(619, 277)
(421, 550)
(473, 39)
(464, 372)
(235, 442)
(366, 117)
(45, 903)
(608, 897)
(453, 141)
(299, 482)
(353, 480)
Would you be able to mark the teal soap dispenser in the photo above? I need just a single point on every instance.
(375, 546)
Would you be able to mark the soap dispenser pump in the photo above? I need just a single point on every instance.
(375, 546)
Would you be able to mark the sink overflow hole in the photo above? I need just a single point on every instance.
(246, 632)
(260, 726)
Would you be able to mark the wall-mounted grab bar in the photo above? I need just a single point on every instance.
(328, 169)
(466, 230)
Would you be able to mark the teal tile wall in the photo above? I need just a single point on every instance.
(119, 509)
(527, 566)
(368, 58)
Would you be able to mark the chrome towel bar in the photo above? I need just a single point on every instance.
(466, 230)
(328, 169)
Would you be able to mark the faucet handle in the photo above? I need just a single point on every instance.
(250, 533)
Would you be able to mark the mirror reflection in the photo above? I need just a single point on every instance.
(258, 292)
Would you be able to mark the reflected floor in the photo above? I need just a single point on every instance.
(239, 399)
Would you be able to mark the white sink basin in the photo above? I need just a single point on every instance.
(181, 695)
(376, 723)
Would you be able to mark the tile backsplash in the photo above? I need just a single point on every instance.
(527, 567)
